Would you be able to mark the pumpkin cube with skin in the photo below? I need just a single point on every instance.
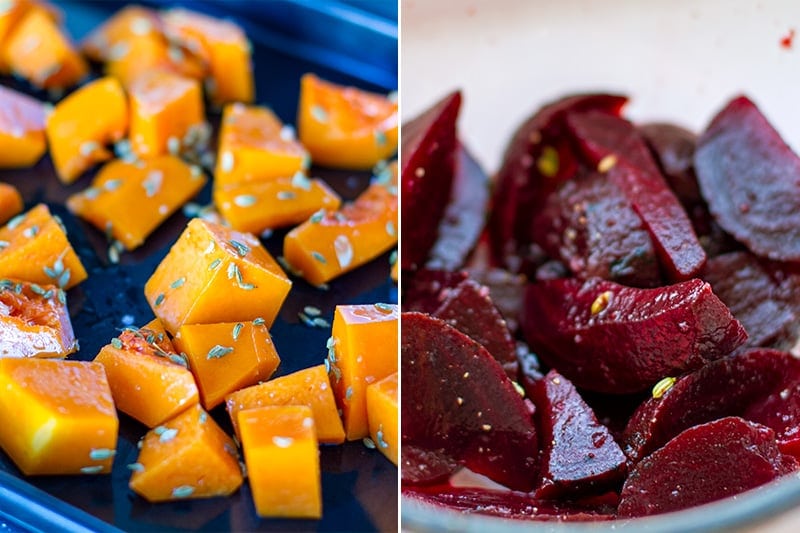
(345, 127)
(227, 357)
(10, 205)
(133, 198)
(310, 387)
(282, 458)
(188, 457)
(148, 380)
(214, 274)
(58, 416)
(35, 248)
(22, 140)
(77, 132)
(382, 416)
(255, 146)
(365, 348)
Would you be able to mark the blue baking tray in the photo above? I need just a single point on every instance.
(347, 42)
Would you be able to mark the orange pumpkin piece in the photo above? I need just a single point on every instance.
(187, 457)
(78, 131)
(22, 140)
(11, 12)
(131, 199)
(255, 146)
(215, 274)
(226, 357)
(151, 52)
(34, 247)
(258, 206)
(58, 416)
(108, 39)
(345, 127)
(148, 380)
(334, 242)
(382, 416)
(365, 351)
(10, 204)
(310, 387)
(224, 47)
(34, 321)
(282, 457)
(40, 52)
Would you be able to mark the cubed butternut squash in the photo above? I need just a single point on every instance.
(151, 52)
(78, 131)
(382, 416)
(345, 127)
(149, 380)
(130, 22)
(227, 357)
(215, 274)
(10, 204)
(10, 15)
(22, 140)
(282, 458)
(255, 146)
(188, 457)
(34, 247)
(130, 200)
(310, 386)
(58, 416)
(365, 351)
(258, 206)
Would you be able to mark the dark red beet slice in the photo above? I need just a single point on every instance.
(673, 148)
(506, 290)
(601, 135)
(519, 183)
(704, 464)
(459, 404)
(427, 167)
(726, 387)
(579, 455)
(606, 337)
(425, 289)
(780, 411)
(751, 181)
(590, 225)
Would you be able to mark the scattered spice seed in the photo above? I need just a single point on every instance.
(241, 249)
(167, 435)
(663, 386)
(203, 417)
(384, 308)
(368, 442)
(245, 200)
(116, 343)
(179, 359)
(344, 250)
(37, 289)
(390, 229)
(319, 113)
(214, 264)
(63, 279)
(31, 231)
(178, 283)
(16, 221)
(317, 217)
(96, 469)
(258, 321)
(218, 351)
(348, 393)
(226, 161)
(321, 322)
(101, 454)
(159, 299)
(305, 320)
(285, 195)
(319, 257)
(312, 311)
(184, 491)
(607, 163)
(379, 435)
(548, 162)
(237, 329)
(601, 302)
(301, 181)
(136, 467)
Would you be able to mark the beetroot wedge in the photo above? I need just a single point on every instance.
(780, 410)
(579, 455)
(615, 142)
(427, 169)
(425, 289)
(704, 464)
(673, 149)
(751, 181)
(458, 404)
(610, 338)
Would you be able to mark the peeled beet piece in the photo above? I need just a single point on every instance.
(590, 225)
(427, 166)
(704, 464)
(600, 135)
(780, 410)
(751, 181)
(610, 338)
(425, 289)
(459, 406)
(732, 386)
(579, 455)
(673, 149)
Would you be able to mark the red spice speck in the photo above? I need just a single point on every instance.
(786, 41)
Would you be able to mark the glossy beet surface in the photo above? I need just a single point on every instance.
(610, 338)
(673, 149)
(703, 464)
(424, 291)
(750, 177)
(460, 408)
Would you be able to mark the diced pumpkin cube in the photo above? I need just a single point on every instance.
(187, 457)
(78, 132)
(365, 348)
(226, 357)
(130, 22)
(133, 198)
(10, 204)
(345, 127)
(151, 52)
(255, 146)
(58, 416)
(22, 140)
(382, 416)
(11, 13)
(40, 52)
(257, 206)
(310, 386)
(215, 274)
(35, 248)
(148, 380)
(282, 458)
(336, 242)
